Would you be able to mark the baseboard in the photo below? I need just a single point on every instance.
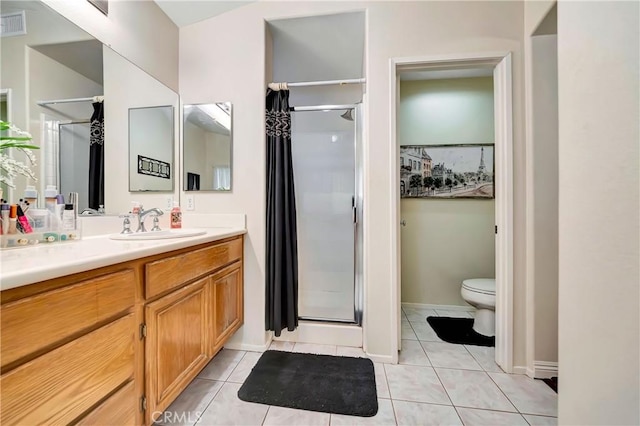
(517, 369)
(441, 307)
(385, 359)
(543, 370)
(247, 347)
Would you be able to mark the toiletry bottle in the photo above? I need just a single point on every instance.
(23, 222)
(31, 196)
(68, 218)
(50, 198)
(135, 209)
(4, 214)
(13, 219)
(176, 216)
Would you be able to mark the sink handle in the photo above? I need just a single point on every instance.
(155, 224)
(126, 224)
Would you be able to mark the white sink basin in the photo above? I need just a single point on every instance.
(159, 235)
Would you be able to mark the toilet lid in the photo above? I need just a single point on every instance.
(481, 285)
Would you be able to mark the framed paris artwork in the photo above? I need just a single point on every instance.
(447, 171)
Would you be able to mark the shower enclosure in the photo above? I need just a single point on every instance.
(66, 159)
(326, 147)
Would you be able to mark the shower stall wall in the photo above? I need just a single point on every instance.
(328, 187)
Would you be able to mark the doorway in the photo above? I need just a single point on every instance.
(500, 66)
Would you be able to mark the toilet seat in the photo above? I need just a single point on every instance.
(480, 285)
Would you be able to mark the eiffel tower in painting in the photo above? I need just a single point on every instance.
(481, 167)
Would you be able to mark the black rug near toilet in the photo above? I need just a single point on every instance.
(459, 331)
(325, 383)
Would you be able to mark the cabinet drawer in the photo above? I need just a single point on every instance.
(165, 274)
(36, 322)
(119, 409)
(61, 385)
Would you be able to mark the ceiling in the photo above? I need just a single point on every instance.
(187, 12)
(446, 73)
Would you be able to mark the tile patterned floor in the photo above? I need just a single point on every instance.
(435, 383)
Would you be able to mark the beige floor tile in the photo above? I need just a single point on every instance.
(385, 416)
(191, 403)
(310, 348)
(282, 416)
(416, 413)
(528, 395)
(244, 367)
(227, 409)
(221, 366)
(447, 355)
(415, 383)
(475, 417)
(412, 353)
(473, 389)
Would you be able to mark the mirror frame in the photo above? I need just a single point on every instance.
(184, 186)
(173, 149)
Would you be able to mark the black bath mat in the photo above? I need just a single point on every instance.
(552, 383)
(325, 383)
(459, 330)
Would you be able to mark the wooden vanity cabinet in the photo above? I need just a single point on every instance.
(177, 345)
(116, 344)
(195, 304)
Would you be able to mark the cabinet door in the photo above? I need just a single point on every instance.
(227, 304)
(177, 343)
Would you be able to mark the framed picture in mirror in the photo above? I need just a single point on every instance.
(207, 146)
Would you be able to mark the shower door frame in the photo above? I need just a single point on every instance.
(356, 209)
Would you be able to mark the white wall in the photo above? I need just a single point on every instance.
(138, 30)
(445, 241)
(130, 87)
(195, 151)
(545, 185)
(151, 134)
(599, 217)
(394, 29)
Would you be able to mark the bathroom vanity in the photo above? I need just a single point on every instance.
(120, 339)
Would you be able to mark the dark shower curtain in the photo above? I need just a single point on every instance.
(281, 244)
(96, 157)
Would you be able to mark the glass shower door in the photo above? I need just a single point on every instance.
(324, 167)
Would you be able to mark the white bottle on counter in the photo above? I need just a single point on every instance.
(68, 218)
(31, 196)
(50, 198)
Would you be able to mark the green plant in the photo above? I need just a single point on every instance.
(13, 137)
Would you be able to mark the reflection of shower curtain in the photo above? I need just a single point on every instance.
(96, 157)
(282, 250)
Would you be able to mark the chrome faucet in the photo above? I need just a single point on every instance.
(142, 214)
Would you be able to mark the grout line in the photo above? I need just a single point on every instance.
(505, 394)
(210, 402)
(443, 386)
(393, 410)
(264, 419)
(384, 370)
(459, 416)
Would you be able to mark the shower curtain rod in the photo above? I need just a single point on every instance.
(67, 101)
(278, 86)
(322, 107)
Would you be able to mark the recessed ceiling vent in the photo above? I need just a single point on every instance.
(13, 24)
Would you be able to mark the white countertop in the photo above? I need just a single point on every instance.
(30, 265)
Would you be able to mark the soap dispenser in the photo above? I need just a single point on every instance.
(176, 216)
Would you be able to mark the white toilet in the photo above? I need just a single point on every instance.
(481, 294)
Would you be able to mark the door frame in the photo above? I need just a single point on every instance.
(500, 62)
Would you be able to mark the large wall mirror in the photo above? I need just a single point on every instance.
(73, 94)
(151, 149)
(207, 146)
